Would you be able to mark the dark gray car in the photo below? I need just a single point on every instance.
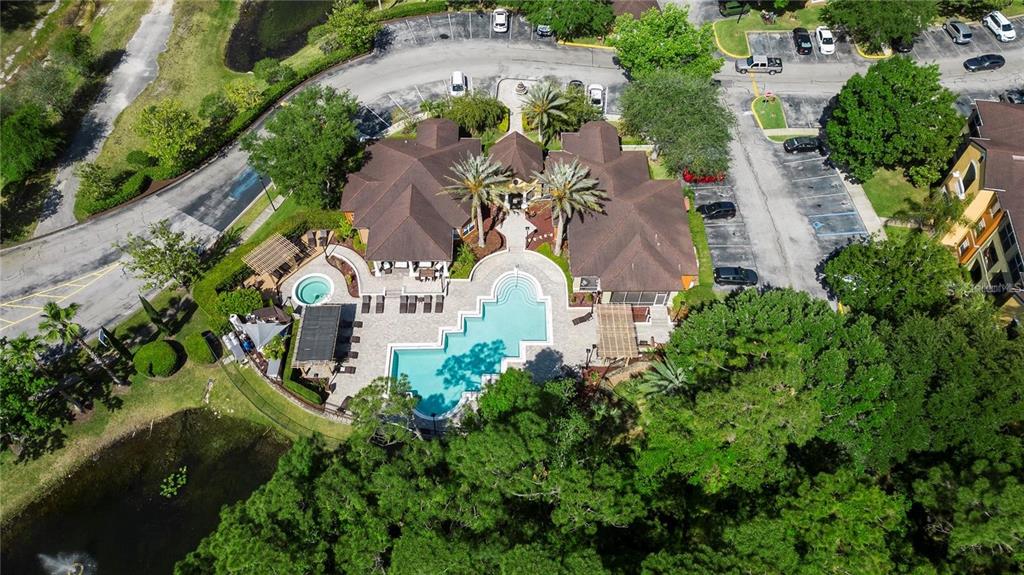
(736, 276)
(984, 63)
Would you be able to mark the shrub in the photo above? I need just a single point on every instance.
(156, 359)
(271, 71)
(134, 185)
(140, 158)
(475, 112)
(274, 348)
(464, 262)
(241, 302)
(198, 349)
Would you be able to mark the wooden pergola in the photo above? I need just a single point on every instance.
(269, 256)
(616, 332)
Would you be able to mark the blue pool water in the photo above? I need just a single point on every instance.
(312, 289)
(440, 375)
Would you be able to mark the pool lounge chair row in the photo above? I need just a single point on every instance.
(409, 303)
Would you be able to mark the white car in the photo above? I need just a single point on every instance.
(499, 19)
(459, 85)
(1000, 26)
(596, 94)
(826, 41)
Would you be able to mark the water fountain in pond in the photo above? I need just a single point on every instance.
(68, 564)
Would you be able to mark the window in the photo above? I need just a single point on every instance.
(991, 255)
(993, 209)
(1007, 236)
(976, 272)
(979, 228)
(1017, 268)
(964, 246)
(957, 185)
(970, 176)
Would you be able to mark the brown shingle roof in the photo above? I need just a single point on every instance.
(397, 194)
(1001, 134)
(642, 242)
(519, 154)
(634, 7)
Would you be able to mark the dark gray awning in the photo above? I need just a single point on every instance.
(318, 333)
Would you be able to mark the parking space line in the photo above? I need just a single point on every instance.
(834, 215)
(418, 93)
(818, 159)
(813, 178)
(822, 195)
(450, 25)
(412, 32)
(723, 224)
(834, 234)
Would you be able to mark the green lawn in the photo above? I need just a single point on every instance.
(703, 291)
(730, 33)
(891, 193)
(769, 113)
(898, 232)
(190, 68)
(658, 170)
(546, 251)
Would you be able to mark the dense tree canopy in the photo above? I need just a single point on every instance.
(163, 256)
(873, 23)
(350, 26)
(26, 141)
(897, 115)
(684, 117)
(321, 123)
(571, 18)
(31, 416)
(665, 40)
(171, 131)
(793, 439)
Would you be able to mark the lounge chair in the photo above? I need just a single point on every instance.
(348, 369)
(428, 303)
(380, 304)
(357, 324)
(583, 318)
(366, 304)
(439, 306)
(324, 236)
(345, 403)
(403, 304)
(354, 339)
(352, 355)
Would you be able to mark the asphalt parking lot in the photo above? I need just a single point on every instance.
(780, 44)
(459, 26)
(728, 239)
(934, 44)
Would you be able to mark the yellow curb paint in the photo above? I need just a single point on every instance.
(714, 30)
(578, 45)
(754, 112)
(869, 56)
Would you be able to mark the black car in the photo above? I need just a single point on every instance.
(575, 85)
(802, 144)
(902, 45)
(717, 210)
(544, 30)
(736, 276)
(985, 62)
(802, 41)
(732, 7)
(1012, 97)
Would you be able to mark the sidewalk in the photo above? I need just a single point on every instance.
(872, 223)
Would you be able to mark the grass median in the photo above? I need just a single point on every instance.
(769, 113)
(731, 33)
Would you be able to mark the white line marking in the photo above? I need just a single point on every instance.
(813, 178)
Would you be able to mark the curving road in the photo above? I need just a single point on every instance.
(80, 264)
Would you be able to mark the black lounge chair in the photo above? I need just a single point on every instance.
(380, 304)
(348, 369)
(439, 306)
(324, 235)
(403, 304)
(428, 303)
(357, 324)
(366, 304)
(352, 355)
(345, 403)
(583, 318)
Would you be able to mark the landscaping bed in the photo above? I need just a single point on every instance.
(769, 113)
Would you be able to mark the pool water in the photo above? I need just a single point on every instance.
(440, 375)
(312, 289)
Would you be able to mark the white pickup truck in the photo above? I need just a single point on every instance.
(757, 63)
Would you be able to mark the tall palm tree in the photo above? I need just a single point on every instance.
(570, 191)
(27, 349)
(665, 379)
(59, 325)
(479, 179)
(939, 213)
(542, 106)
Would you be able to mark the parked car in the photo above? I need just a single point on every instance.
(802, 144)
(826, 41)
(959, 32)
(459, 85)
(902, 45)
(499, 19)
(984, 63)
(759, 63)
(1000, 26)
(596, 94)
(732, 7)
(802, 41)
(717, 210)
(544, 30)
(575, 85)
(1012, 97)
(735, 276)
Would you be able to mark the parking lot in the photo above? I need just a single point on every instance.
(934, 44)
(459, 26)
(728, 239)
(780, 44)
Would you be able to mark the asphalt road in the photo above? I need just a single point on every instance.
(135, 71)
(80, 263)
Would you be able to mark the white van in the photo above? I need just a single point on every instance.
(459, 85)
(1000, 26)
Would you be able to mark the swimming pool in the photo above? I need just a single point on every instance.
(514, 314)
(313, 288)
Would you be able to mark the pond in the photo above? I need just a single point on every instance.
(272, 30)
(110, 515)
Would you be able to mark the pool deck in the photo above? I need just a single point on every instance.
(379, 330)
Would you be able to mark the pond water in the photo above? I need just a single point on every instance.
(272, 30)
(110, 516)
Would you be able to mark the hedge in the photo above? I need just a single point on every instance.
(240, 302)
(156, 359)
(198, 349)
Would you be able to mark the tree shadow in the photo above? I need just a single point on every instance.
(384, 40)
(23, 202)
(178, 313)
(18, 15)
(465, 370)
(227, 241)
(546, 365)
(103, 64)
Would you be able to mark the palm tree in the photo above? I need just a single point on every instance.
(570, 191)
(542, 106)
(479, 179)
(59, 325)
(939, 213)
(664, 378)
(27, 349)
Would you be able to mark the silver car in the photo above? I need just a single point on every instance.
(959, 32)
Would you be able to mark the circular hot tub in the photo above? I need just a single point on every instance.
(313, 289)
